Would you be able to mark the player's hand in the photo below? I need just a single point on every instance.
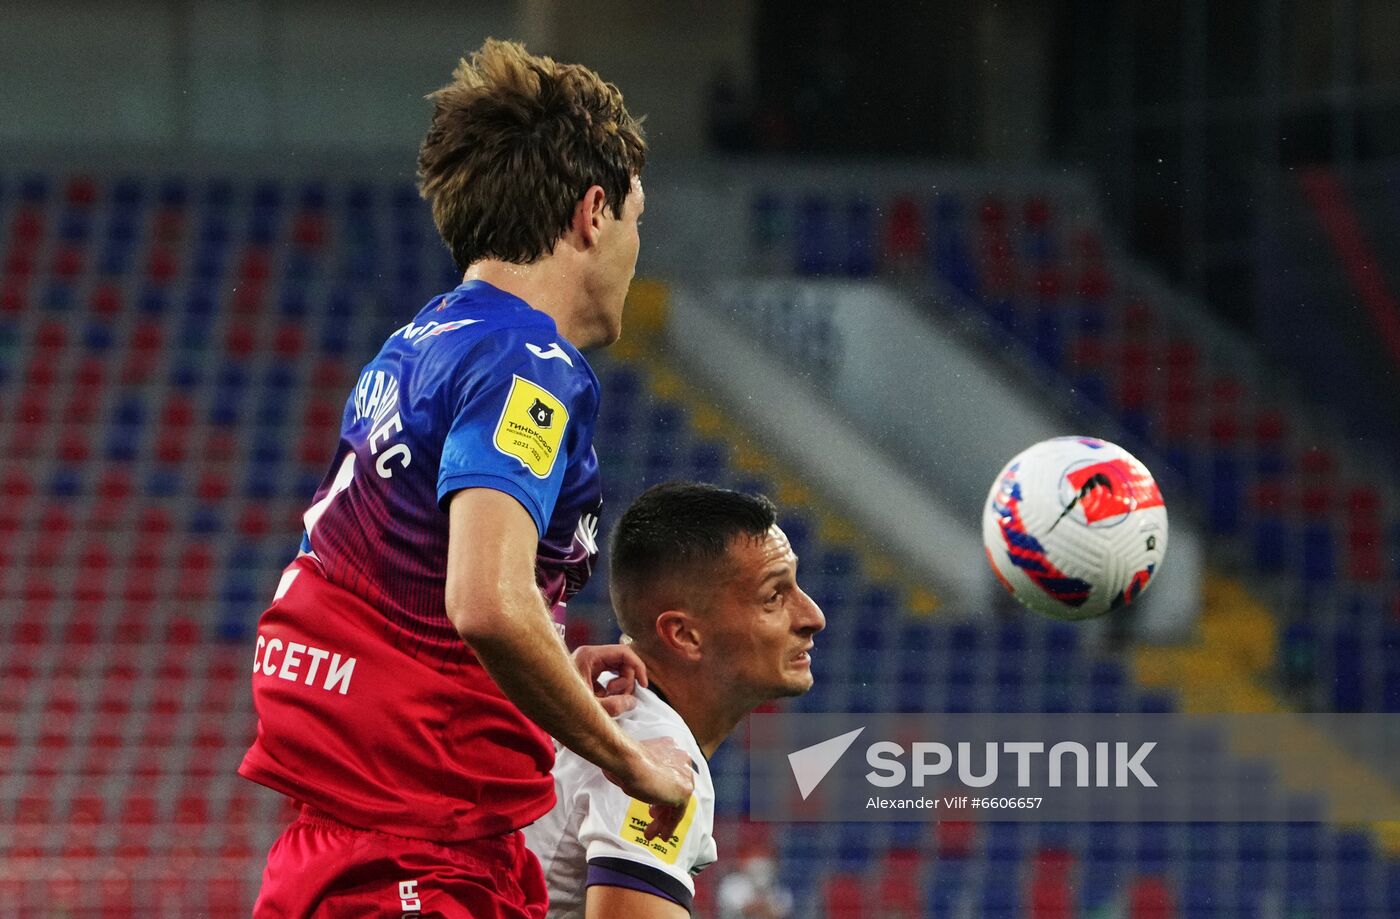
(665, 779)
(592, 661)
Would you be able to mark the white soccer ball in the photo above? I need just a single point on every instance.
(1075, 527)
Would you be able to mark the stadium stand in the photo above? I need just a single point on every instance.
(174, 352)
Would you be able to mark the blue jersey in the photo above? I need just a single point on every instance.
(478, 391)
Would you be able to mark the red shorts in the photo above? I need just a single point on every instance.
(322, 869)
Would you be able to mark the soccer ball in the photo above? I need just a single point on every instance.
(1075, 527)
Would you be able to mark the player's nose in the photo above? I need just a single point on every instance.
(808, 616)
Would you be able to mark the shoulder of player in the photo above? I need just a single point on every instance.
(531, 340)
(653, 718)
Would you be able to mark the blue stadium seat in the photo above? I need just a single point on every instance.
(73, 227)
(58, 297)
(279, 379)
(359, 197)
(208, 267)
(1223, 510)
(164, 482)
(97, 336)
(1319, 555)
(313, 195)
(218, 194)
(131, 411)
(272, 412)
(186, 374)
(301, 266)
(1269, 543)
(173, 192)
(813, 237)
(260, 484)
(115, 261)
(860, 239)
(205, 521)
(66, 482)
(267, 196)
(292, 303)
(1348, 673)
(1048, 340)
(153, 301)
(34, 188)
(409, 236)
(127, 194)
(123, 445)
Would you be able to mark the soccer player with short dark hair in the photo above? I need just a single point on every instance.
(410, 671)
(704, 584)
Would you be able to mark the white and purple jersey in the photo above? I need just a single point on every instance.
(479, 390)
(595, 834)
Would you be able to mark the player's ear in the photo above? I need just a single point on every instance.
(589, 214)
(679, 633)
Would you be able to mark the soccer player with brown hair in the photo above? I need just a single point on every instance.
(410, 671)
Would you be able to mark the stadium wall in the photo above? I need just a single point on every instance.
(285, 76)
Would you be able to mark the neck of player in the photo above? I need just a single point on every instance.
(555, 285)
(711, 712)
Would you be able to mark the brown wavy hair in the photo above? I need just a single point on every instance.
(515, 141)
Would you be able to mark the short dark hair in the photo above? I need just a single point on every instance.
(515, 141)
(678, 529)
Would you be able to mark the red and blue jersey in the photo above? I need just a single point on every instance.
(384, 718)
(478, 391)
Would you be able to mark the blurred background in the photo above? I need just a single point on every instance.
(887, 246)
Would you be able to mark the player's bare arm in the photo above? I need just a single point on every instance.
(610, 902)
(495, 606)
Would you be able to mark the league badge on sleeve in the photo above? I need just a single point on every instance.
(634, 825)
(532, 426)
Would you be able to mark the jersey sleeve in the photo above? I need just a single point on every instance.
(518, 421)
(619, 854)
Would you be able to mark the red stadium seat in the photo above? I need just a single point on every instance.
(28, 225)
(898, 894)
(169, 224)
(954, 838)
(172, 447)
(248, 299)
(75, 446)
(178, 413)
(182, 631)
(67, 263)
(162, 266)
(1150, 898)
(240, 341)
(290, 341)
(255, 266)
(904, 232)
(309, 230)
(52, 336)
(253, 521)
(844, 897)
(81, 191)
(19, 265)
(107, 300)
(322, 416)
(12, 299)
(219, 445)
